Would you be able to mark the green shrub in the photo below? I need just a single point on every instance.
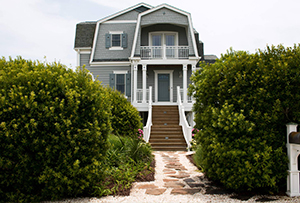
(243, 102)
(53, 130)
(127, 149)
(126, 158)
(125, 120)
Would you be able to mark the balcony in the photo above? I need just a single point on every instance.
(164, 52)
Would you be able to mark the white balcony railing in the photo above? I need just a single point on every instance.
(164, 52)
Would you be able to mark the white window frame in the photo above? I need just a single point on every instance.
(163, 34)
(116, 47)
(121, 72)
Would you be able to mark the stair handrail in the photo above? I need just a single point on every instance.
(147, 128)
(186, 129)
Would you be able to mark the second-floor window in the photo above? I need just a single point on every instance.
(116, 40)
(163, 38)
(163, 44)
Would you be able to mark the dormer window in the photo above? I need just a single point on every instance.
(116, 40)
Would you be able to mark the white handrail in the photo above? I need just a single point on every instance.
(186, 129)
(147, 128)
(164, 52)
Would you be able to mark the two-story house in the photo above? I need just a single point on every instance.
(148, 53)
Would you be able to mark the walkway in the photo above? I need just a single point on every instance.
(174, 175)
(178, 180)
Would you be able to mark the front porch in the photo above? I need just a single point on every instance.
(164, 80)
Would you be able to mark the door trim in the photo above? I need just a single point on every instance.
(156, 72)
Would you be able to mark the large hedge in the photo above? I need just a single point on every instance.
(125, 119)
(53, 129)
(243, 102)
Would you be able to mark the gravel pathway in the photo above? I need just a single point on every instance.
(178, 180)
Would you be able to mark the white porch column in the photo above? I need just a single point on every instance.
(135, 68)
(184, 75)
(144, 83)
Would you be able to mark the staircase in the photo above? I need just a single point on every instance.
(166, 134)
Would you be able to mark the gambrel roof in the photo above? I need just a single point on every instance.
(85, 34)
(85, 31)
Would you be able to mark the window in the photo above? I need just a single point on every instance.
(164, 44)
(115, 40)
(121, 81)
(163, 38)
(156, 40)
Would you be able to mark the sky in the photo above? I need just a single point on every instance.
(35, 29)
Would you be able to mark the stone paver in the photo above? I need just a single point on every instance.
(174, 175)
(155, 191)
(187, 191)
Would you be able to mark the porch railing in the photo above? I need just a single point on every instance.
(139, 95)
(186, 129)
(189, 98)
(147, 128)
(164, 52)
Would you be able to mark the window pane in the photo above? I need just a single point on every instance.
(120, 83)
(156, 40)
(116, 40)
(170, 40)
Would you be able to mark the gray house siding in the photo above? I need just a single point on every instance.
(131, 15)
(164, 15)
(102, 73)
(102, 53)
(191, 48)
(140, 78)
(85, 60)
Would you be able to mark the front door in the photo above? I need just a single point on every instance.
(163, 87)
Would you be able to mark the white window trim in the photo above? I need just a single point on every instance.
(116, 33)
(116, 48)
(120, 72)
(163, 33)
